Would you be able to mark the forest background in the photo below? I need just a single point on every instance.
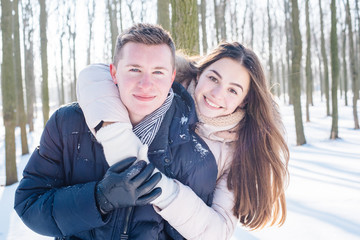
(307, 47)
(309, 50)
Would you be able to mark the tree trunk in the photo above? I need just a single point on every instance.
(216, 16)
(352, 66)
(334, 72)
(289, 43)
(185, 26)
(244, 24)
(222, 21)
(111, 8)
(252, 27)
(91, 17)
(62, 88)
(163, 17)
(295, 74)
(325, 61)
(271, 67)
(18, 80)
(28, 30)
(8, 91)
(203, 26)
(308, 63)
(44, 61)
(345, 75)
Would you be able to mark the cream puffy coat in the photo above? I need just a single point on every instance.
(190, 216)
(187, 213)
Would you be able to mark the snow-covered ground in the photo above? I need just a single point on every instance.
(323, 196)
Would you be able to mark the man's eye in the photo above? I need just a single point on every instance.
(134, 70)
(158, 72)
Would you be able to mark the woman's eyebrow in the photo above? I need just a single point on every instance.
(218, 74)
(238, 85)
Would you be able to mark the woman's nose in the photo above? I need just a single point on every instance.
(217, 92)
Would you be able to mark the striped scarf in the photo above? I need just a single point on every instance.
(147, 129)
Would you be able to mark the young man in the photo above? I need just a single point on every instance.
(69, 191)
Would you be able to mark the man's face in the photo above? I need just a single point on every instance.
(144, 75)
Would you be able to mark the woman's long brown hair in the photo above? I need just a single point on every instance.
(258, 172)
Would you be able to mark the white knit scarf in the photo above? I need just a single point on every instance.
(147, 129)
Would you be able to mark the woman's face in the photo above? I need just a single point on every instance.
(221, 88)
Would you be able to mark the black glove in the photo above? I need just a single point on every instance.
(125, 186)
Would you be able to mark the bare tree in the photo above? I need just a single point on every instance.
(44, 61)
(8, 91)
(91, 17)
(295, 74)
(185, 25)
(289, 47)
(308, 63)
(334, 72)
(20, 108)
(28, 31)
(114, 30)
(325, 62)
(353, 66)
(270, 62)
(203, 26)
(345, 75)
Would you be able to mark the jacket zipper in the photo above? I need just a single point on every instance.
(124, 235)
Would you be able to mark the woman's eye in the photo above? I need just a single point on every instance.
(134, 70)
(232, 91)
(158, 72)
(212, 78)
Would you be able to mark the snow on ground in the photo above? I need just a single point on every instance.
(323, 196)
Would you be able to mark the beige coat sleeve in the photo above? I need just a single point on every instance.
(99, 97)
(193, 219)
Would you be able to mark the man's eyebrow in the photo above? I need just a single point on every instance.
(232, 83)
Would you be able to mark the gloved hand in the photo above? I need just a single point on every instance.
(124, 185)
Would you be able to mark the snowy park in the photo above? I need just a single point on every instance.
(323, 194)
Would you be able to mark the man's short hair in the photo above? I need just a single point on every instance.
(144, 33)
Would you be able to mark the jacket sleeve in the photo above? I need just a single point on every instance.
(99, 97)
(193, 219)
(42, 200)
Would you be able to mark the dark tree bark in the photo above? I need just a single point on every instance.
(185, 26)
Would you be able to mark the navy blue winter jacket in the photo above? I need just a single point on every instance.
(56, 195)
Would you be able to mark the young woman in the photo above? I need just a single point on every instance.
(239, 121)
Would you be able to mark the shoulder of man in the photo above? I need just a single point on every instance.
(184, 103)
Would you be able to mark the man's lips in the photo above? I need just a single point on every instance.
(211, 104)
(144, 98)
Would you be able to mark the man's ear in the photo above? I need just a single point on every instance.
(173, 76)
(113, 73)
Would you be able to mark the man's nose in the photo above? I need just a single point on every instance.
(145, 81)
